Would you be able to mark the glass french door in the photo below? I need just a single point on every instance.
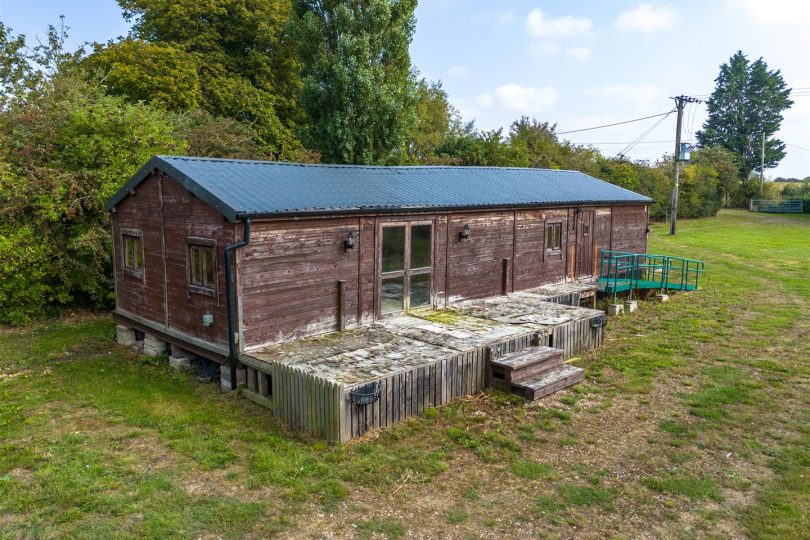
(406, 267)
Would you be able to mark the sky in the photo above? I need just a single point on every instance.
(574, 64)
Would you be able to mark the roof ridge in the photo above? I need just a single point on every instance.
(358, 166)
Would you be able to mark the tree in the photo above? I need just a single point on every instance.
(747, 102)
(358, 89)
(14, 67)
(728, 174)
(434, 121)
(237, 52)
(155, 73)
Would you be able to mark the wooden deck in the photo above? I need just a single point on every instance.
(423, 360)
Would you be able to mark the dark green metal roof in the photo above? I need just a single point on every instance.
(242, 188)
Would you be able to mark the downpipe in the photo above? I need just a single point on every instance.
(233, 353)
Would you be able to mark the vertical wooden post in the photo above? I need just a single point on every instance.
(341, 305)
(572, 266)
(506, 272)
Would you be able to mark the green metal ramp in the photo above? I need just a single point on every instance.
(621, 271)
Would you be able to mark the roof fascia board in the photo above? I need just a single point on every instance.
(184, 180)
(430, 209)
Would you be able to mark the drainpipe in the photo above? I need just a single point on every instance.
(233, 353)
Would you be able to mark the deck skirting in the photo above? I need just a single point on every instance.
(325, 409)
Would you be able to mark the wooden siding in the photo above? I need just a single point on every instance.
(629, 226)
(167, 215)
(289, 278)
(534, 265)
(476, 267)
(143, 296)
(185, 217)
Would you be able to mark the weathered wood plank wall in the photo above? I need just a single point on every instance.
(186, 217)
(629, 225)
(167, 216)
(289, 278)
(146, 296)
(475, 266)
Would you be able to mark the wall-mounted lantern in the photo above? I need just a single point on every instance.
(351, 241)
(464, 233)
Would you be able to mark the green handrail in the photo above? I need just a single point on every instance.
(625, 271)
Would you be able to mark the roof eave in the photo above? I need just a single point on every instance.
(400, 209)
(189, 184)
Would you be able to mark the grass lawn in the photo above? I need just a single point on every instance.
(693, 421)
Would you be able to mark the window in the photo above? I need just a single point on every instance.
(586, 229)
(202, 266)
(554, 236)
(132, 243)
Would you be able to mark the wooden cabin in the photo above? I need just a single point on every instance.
(219, 257)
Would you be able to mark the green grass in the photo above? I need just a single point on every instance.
(584, 495)
(387, 528)
(693, 419)
(686, 486)
(530, 470)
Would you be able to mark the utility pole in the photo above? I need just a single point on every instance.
(680, 103)
(762, 167)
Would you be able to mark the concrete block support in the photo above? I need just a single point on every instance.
(615, 309)
(179, 362)
(661, 297)
(125, 335)
(225, 377)
(179, 358)
(630, 306)
(154, 346)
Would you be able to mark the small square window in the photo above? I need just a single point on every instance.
(586, 229)
(554, 236)
(202, 268)
(132, 244)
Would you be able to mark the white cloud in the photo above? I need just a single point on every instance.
(506, 18)
(539, 25)
(581, 54)
(461, 72)
(647, 18)
(774, 11)
(517, 98)
(638, 94)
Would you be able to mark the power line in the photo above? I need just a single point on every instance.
(647, 132)
(797, 146)
(628, 142)
(615, 124)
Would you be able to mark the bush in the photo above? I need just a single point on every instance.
(65, 148)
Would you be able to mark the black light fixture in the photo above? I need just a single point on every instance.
(350, 241)
(464, 233)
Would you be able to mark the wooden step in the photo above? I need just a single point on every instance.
(549, 382)
(524, 365)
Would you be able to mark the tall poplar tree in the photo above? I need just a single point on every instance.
(358, 87)
(747, 102)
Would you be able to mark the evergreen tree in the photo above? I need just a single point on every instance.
(747, 102)
(358, 87)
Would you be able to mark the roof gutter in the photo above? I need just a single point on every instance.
(233, 353)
